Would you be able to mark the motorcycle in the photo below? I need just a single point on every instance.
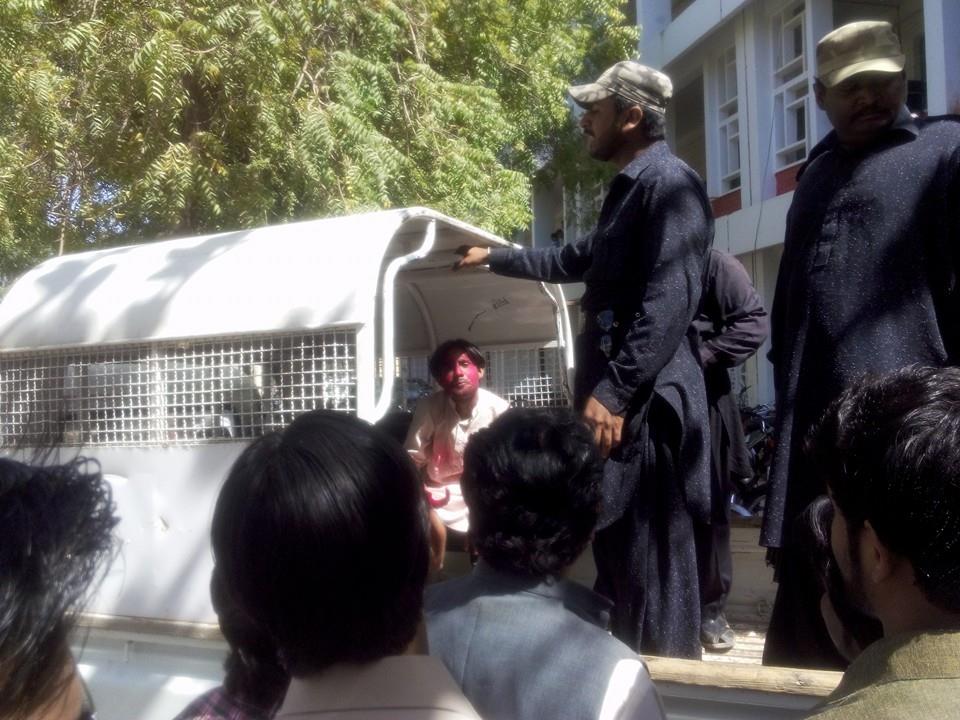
(750, 494)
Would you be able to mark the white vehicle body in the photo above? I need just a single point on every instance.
(163, 360)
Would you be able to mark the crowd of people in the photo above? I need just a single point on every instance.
(329, 536)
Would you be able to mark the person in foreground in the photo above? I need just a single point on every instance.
(889, 450)
(322, 539)
(254, 682)
(522, 641)
(639, 385)
(57, 535)
(867, 284)
(444, 421)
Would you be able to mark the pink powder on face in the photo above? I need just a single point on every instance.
(460, 376)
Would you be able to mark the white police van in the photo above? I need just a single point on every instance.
(163, 360)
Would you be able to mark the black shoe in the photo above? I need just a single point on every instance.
(716, 635)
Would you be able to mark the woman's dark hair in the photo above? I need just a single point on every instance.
(253, 673)
(57, 534)
(320, 534)
(442, 353)
(889, 451)
(532, 483)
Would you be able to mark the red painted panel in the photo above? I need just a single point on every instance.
(726, 204)
(787, 179)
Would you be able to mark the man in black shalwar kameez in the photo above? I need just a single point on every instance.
(732, 325)
(868, 283)
(638, 381)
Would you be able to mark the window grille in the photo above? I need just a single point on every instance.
(174, 393)
(728, 121)
(528, 377)
(791, 83)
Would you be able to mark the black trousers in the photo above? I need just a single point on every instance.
(797, 636)
(646, 560)
(714, 559)
(714, 567)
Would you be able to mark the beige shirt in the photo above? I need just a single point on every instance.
(436, 441)
(898, 678)
(400, 687)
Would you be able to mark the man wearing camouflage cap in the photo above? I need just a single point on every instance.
(638, 382)
(868, 283)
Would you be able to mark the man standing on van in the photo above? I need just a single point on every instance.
(868, 283)
(638, 384)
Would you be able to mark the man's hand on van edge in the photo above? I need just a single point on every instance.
(607, 427)
(472, 256)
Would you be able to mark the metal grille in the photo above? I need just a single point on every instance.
(529, 377)
(526, 377)
(175, 393)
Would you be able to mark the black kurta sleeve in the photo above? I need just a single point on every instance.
(675, 231)
(555, 265)
(740, 316)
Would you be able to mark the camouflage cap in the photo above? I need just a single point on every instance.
(631, 81)
(865, 46)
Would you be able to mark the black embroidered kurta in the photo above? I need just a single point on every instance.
(867, 284)
(636, 354)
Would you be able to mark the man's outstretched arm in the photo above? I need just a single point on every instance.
(555, 265)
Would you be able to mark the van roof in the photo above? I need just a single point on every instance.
(303, 275)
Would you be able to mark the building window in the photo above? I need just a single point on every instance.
(728, 121)
(791, 85)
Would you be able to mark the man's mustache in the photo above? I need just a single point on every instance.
(875, 110)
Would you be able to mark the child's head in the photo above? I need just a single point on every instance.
(457, 366)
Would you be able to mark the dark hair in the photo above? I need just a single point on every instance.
(812, 537)
(396, 424)
(57, 526)
(321, 536)
(252, 670)
(439, 356)
(653, 124)
(889, 450)
(531, 481)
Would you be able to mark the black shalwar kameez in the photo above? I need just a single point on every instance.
(642, 267)
(868, 283)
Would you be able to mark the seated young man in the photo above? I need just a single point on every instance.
(889, 450)
(444, 421)
(321, 538)
(523, 642)
(56, 535)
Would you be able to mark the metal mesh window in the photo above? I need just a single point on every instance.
(529, 377)
(526, 377)
(175, 393)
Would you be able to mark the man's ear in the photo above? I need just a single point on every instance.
(819, 90)
(438, 542)
(480, 373)
(631, 118)
(878, 562)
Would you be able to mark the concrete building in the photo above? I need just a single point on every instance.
(745, 117)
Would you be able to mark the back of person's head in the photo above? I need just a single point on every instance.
(253, 672)
(56, 524)
(320, 534)
(889, 451)
(532, 483)
(442, 354)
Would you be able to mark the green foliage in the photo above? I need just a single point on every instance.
(135, 119)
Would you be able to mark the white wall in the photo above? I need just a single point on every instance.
(942, 30)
